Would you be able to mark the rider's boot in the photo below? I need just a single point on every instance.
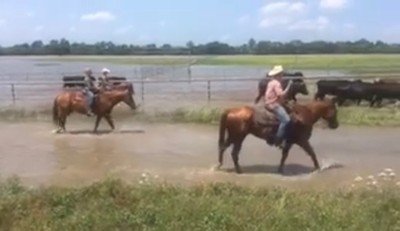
(89, 111)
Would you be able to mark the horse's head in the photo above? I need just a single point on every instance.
(117, 95)
(329, 112)
(128, 99)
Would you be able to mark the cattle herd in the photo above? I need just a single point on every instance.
(357, 90)
(352, 90)
(374, 92)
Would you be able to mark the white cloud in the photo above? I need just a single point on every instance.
(319, 23)
(2, 22)
(38, 28)
(243, 20)
(124, 30)
(98, 16)
(280, 13)
(283, 7)
(72, 29)
(332, 4)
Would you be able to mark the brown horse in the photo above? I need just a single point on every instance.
(239, 122)
(74, 101)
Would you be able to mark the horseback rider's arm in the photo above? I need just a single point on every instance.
(287, 87)
(279, 91)
(90, 85)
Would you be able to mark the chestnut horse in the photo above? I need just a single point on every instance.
(239, 122)
(74, 101)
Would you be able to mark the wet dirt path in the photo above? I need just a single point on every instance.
(185, 153)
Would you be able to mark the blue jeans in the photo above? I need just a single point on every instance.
(89, 99)
(284, 120)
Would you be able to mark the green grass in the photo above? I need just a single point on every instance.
(114, 205)
(360, 63)
(357, 63)
(351, 115)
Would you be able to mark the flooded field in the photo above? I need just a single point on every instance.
(175, 153)
(27, 81)
(185, 154)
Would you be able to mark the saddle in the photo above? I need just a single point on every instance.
(263, 117)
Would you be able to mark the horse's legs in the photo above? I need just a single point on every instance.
(96, 125)
(110, 121)
(285, 153)
(63, 121)
(237, 146)
(222, 150)
(306, 146)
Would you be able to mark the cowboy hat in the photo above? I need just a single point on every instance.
(105, 70)
(275, 70)
(87, 70)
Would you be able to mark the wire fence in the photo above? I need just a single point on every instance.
(158, 93)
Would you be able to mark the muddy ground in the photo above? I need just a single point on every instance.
(183, 153)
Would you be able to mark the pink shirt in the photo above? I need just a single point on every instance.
(274, 90)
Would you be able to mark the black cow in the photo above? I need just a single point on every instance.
(330, 87)
(298, 86)
(382, 90)
(356, 91)
(294, 74)
(387, 80)
(74, 81)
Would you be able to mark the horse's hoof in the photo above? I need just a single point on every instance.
(217, 167)
(55, 131)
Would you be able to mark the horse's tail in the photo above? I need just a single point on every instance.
(55, 112)
(222, 128)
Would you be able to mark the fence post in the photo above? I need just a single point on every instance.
(13, 93)
(142, 90)
(208, 91)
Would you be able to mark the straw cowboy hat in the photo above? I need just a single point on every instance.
(87, 70)
(105, 70)
(276, 70)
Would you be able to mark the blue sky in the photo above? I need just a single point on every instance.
(177, 21)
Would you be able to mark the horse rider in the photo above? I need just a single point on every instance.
(273, 100)
(104, 73)
(88, 90)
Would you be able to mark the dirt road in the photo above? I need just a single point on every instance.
(186, 154)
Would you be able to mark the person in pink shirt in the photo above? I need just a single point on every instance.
(272, 98)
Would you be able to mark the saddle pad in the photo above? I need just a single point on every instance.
(263, 117)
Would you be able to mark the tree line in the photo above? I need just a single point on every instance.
(64, 47)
